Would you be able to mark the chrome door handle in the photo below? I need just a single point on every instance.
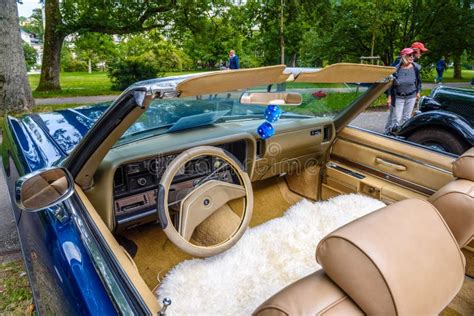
(390, 164)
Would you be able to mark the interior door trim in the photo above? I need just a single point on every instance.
(399, 156)
(384, 175)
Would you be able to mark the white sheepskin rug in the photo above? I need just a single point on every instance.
(266, 259)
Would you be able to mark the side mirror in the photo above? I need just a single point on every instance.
(43, 189)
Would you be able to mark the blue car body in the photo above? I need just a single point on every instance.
(61, 272)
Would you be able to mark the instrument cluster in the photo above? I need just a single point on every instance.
(135, 183)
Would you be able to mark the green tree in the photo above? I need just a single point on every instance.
(278, 27)
(109, 17)
(453, 33)
(34, 24)
(31, 56)
(353, 28)
(216, 27)
(94, 48)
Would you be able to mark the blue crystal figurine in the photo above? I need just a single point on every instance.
(272, 113)
(265, 130)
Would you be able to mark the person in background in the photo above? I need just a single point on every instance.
(405, 89)
(233, 60)
(418, 49)
(440, 68)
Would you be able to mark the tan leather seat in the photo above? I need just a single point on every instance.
(455, 201)
(399, 260)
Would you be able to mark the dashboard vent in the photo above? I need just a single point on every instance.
(259, 149)
(327, 133)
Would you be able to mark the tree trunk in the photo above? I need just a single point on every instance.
(293, 60)
(15, 91)
(53, 42)
(282, 35)
(89, 65)
(457, 67)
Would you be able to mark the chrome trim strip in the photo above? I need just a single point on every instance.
(117, 296)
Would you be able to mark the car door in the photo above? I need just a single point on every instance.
(383, 167)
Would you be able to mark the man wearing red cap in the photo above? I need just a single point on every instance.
(419, 49)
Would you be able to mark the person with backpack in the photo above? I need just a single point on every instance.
(405, 90)
(441, 66)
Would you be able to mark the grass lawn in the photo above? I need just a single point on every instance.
(448, 76)
(97, 83)
(15, 291)
(76, 84)
(81, 84)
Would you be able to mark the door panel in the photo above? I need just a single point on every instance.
(384, 168)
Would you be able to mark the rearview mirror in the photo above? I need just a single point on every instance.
(43, 189)
(278, 98)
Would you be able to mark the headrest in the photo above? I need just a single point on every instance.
(401, 259)
(463, 167)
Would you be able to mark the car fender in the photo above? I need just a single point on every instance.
(441, 119)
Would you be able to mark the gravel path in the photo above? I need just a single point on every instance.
(76, 100)
(9, 244)
(373, 121)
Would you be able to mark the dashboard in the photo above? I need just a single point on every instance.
(135, 183)
(123, 190)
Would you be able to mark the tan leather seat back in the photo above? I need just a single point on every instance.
(314, 294)
(401, 259)
(455, 201)
(463, 167)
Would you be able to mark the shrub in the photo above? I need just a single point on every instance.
(124, 72)
(30, 56)
(74, 65)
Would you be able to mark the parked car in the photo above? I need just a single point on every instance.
(114, 203)
(445, 120)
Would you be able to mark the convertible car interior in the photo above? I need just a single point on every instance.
(210, 201)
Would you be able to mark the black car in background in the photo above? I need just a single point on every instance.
(445, 121)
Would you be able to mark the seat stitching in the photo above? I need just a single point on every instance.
(272, 306)
(330, 306)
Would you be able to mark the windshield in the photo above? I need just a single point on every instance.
(297, 101)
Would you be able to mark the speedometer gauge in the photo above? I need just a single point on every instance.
(157, 166)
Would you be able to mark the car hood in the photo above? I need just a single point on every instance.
(45, 138)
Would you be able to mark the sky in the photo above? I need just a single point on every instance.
(27, 7)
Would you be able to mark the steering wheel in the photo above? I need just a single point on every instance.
(205, 200)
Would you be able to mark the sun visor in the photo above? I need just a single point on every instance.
(345, 73)
(229, 80)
